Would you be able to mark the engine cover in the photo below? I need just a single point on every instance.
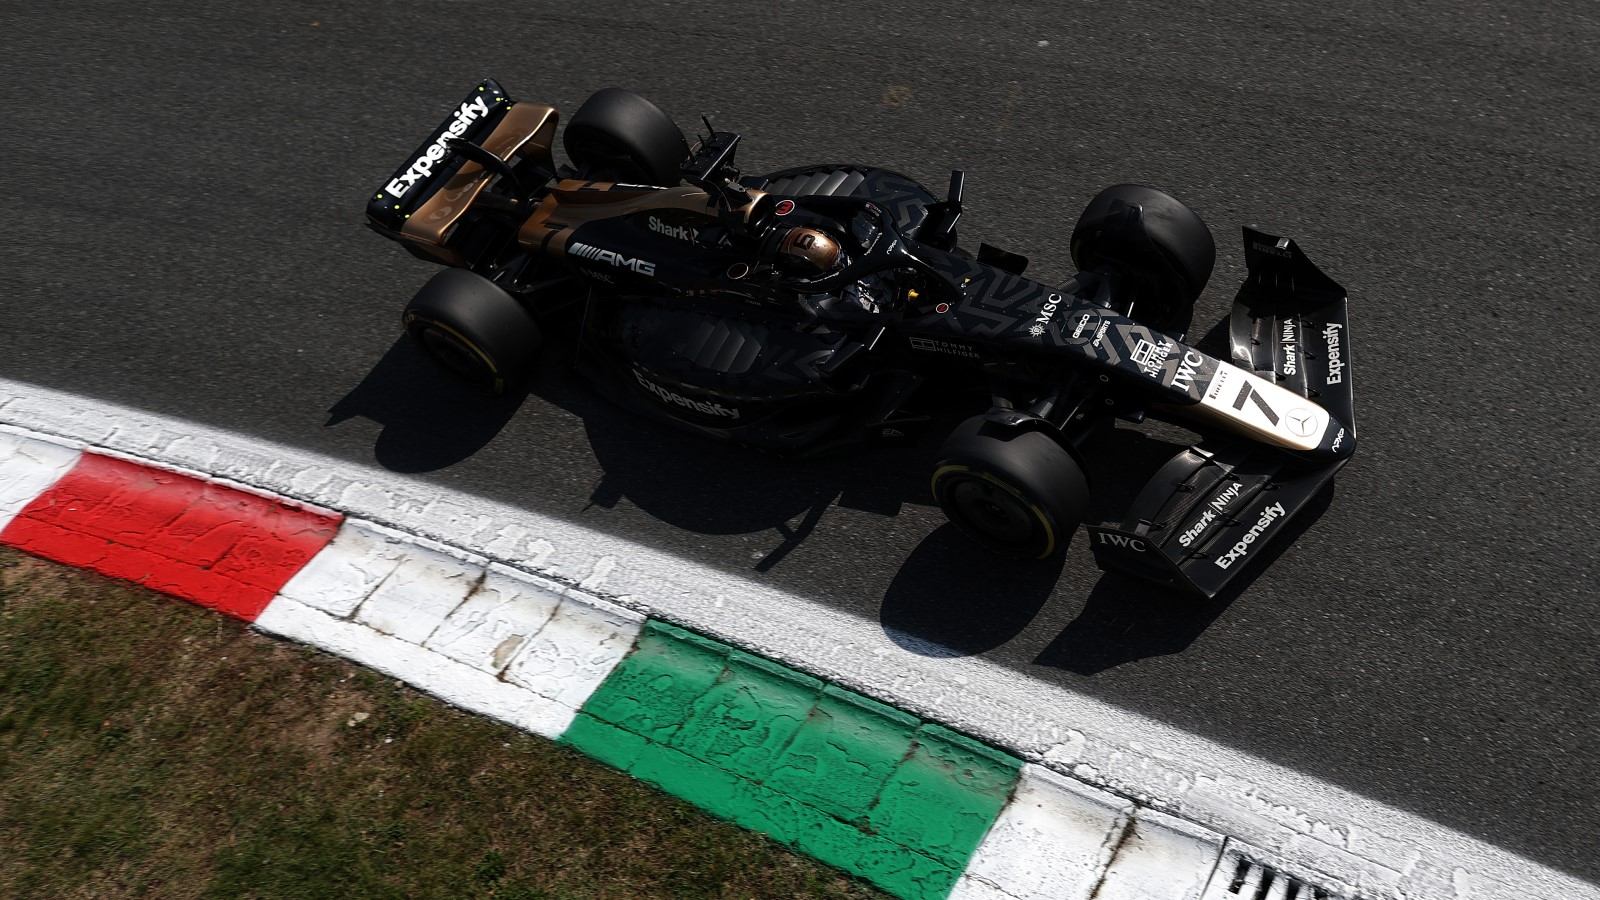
(723, 371)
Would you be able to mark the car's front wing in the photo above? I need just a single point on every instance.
(1212, 509)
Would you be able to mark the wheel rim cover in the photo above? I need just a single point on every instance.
(453, 355)
(992, 512)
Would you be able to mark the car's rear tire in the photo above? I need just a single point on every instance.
(1167, 251)
(621, 136)
(1018, 494)
(474, 331)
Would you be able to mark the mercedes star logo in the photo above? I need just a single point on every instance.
(1301, 421)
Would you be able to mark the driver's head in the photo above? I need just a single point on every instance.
(808, 251)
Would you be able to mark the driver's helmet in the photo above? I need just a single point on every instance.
(808, 251)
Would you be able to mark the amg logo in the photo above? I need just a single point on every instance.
(681, 232)
(710, 409)
(1269, 515)
(1335, 359)
(1122, 540)
(936, 346)
(1187, 368)
(423, 167)
(1290, 355)
(1151, 358)
(637, 264)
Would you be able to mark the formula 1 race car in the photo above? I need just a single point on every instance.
(830, 305)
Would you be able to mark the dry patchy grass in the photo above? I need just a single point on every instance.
(149, 748)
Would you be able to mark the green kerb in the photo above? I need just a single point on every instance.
(877, 792)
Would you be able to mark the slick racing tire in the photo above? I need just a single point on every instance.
(1168, 256)
(474, 331)
(1018, 494)
(620, 135)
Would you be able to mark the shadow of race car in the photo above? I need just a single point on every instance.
(831, 306)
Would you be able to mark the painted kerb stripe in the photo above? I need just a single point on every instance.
(208, 543)
(532, 651)
(877, 792)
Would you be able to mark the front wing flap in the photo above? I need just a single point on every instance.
(1206, 514)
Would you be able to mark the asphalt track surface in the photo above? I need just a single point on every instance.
(184, 187)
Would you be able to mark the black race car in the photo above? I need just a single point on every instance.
(831, 305)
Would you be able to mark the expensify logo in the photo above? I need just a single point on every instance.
(1269, 515)
(677, 399)
(423, 167)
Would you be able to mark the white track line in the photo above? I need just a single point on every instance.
(1306, 827)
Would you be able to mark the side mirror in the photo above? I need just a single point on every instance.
(939, 229)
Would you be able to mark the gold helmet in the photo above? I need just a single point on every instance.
(809, 251)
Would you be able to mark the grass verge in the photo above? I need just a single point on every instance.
(149, 748)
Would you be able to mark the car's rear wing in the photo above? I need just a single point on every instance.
(1213, 507)
(429, 194)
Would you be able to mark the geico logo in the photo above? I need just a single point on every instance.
(637, 264)
(423, 167)
(710, 409)
(1083, 322)
(1268, 516)
(1122, 540)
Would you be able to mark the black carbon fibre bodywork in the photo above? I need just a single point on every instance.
(691, 313)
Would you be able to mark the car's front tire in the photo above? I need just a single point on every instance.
(474, 331)
(1167, 254)
(1018, 494)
